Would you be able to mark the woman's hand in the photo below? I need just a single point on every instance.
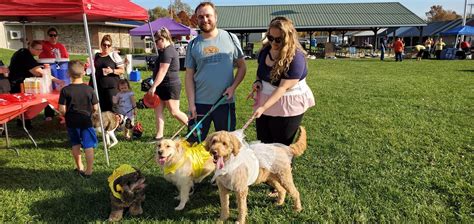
(107, 71)
(258, 112)
(257, 85)
(152, 90)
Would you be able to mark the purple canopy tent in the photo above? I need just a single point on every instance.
(175, 28)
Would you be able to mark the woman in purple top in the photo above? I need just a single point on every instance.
(282, 93)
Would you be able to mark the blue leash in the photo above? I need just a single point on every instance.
(221, 100)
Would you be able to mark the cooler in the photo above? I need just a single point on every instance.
(135, 76)
(58, 69)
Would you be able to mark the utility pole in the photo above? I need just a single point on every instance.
(463, 21)
(470, 12)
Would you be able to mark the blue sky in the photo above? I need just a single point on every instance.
(419, 7)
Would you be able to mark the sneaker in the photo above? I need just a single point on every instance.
(48, 119)
(84, 175)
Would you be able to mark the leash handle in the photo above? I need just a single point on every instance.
(221, 100)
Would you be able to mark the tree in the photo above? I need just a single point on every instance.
(437, 13)
(183, 16)
(194, 21)
(158, 12)
(179, 6)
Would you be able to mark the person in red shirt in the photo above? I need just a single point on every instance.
(52, 48)
(465, 46)
(53, 51)
(398, 48)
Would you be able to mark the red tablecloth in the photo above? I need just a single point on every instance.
(31, 108)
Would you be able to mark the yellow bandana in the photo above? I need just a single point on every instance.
(122, 170)
(196, 153)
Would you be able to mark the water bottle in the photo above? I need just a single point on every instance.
(46, 82)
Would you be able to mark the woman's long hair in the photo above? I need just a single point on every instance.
(289, 46)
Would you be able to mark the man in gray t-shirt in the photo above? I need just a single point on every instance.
(210, 60)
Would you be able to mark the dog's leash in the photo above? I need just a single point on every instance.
(220, 101)
(249, 121)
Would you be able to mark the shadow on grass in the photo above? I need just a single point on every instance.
(69, 198)
(467, 70)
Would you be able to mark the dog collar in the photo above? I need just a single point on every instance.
(122, 170)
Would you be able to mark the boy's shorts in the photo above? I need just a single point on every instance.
(82, 136)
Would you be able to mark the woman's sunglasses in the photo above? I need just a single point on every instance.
(271, 39)
(106, 45)
(53, 35)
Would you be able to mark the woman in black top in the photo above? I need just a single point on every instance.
(23, 65)
(167, 84)
(109, 66)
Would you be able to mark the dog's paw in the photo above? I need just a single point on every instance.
(179, 208)
(177, 197)
(297, 208)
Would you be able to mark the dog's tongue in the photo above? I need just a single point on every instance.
(162, 161)
(220, 162)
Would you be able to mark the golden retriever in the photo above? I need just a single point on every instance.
(183, 167)
(273, 167)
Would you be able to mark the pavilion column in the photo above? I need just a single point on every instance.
(241, 39)
(420, 41)
(330, 33)
(246, 39)
(375, 42)
(343, 35)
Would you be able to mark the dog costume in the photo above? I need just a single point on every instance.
(253, 156)
(122, 170)
(196, 153)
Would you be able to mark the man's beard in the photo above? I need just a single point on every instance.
(210, 28)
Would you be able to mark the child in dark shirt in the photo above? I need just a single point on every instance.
(78, 102)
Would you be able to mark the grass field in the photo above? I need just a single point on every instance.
(388, 142)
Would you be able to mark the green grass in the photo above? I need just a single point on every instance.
(388, 142)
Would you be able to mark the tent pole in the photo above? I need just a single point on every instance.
(25, 44)
(91, 61)
(153, 38)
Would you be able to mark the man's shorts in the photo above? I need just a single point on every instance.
(82, 136)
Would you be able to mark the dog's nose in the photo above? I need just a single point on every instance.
(214, 153)
(160, 152)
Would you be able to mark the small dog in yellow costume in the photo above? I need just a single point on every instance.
(183, 165)
(127, 190)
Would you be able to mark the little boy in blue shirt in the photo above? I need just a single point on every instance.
(78, 102)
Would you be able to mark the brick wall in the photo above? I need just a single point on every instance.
(73, 37)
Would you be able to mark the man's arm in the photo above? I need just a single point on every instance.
(37, 71)
(62, 109)
(95, 108)
(189, 86)
(240, 75)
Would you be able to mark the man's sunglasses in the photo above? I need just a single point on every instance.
(271, 39)
(106, 45)
(53, 35)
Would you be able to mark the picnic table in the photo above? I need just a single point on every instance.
(27, 108)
